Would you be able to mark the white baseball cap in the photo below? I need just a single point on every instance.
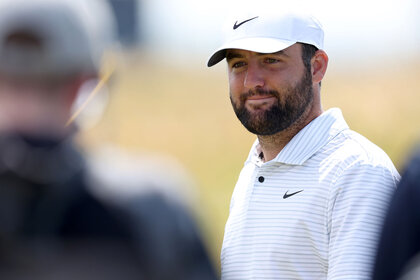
(269, 33)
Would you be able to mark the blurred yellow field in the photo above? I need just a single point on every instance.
(186, 113)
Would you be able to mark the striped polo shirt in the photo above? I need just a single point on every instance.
(313, 212)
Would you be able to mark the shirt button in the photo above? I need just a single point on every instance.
(261, 179)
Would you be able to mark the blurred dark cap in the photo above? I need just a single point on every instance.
(45, 39)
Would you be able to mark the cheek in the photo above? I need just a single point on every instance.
(235, 85)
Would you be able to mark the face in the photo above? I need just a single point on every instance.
(269, 92)
(31, 107)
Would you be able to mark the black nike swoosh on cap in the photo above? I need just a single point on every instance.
(236, 25)
(286, 195)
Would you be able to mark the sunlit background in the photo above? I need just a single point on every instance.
(164, 100)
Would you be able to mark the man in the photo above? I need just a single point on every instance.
(399, 247)
(310, 199)
(61, 216)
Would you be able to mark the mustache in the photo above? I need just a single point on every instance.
(257, 92)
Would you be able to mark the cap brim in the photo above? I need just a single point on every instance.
(259, 45)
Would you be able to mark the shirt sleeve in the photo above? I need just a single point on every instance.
(358, 202)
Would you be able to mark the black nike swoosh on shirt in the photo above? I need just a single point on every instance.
(286, 195)
(236, 25)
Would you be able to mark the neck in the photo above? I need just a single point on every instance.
(271, 145)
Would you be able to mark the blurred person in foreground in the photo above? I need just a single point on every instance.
(398, 255)
(311, 197)
(62, 216)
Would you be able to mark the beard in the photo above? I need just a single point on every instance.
(291, 103)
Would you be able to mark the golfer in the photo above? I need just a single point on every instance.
(311, 197)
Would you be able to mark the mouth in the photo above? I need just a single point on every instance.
(260, 100)
(260, 97)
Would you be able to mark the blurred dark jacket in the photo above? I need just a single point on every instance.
(53, 227)
(400, 241)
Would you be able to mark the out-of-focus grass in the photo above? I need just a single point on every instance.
(186, 113)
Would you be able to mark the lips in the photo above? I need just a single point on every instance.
(260, 102)
(260, 97)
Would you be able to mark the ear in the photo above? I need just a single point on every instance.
(319, 64)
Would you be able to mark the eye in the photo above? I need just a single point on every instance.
(238, 64)
(270, 60)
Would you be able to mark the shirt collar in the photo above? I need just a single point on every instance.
(309, 140)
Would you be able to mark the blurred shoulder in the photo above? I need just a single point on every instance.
(119, 175)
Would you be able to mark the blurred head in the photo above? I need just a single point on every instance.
(275, 66)
(48, 49)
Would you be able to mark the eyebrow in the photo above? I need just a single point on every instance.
(232, 55)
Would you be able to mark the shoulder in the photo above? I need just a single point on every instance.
(352, 145)
(155, 194)
(117, 174)
(352, 158)
(152, 189)
(353, 150)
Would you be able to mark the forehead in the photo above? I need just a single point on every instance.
(293, 50)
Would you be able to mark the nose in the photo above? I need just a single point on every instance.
(254, 77)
